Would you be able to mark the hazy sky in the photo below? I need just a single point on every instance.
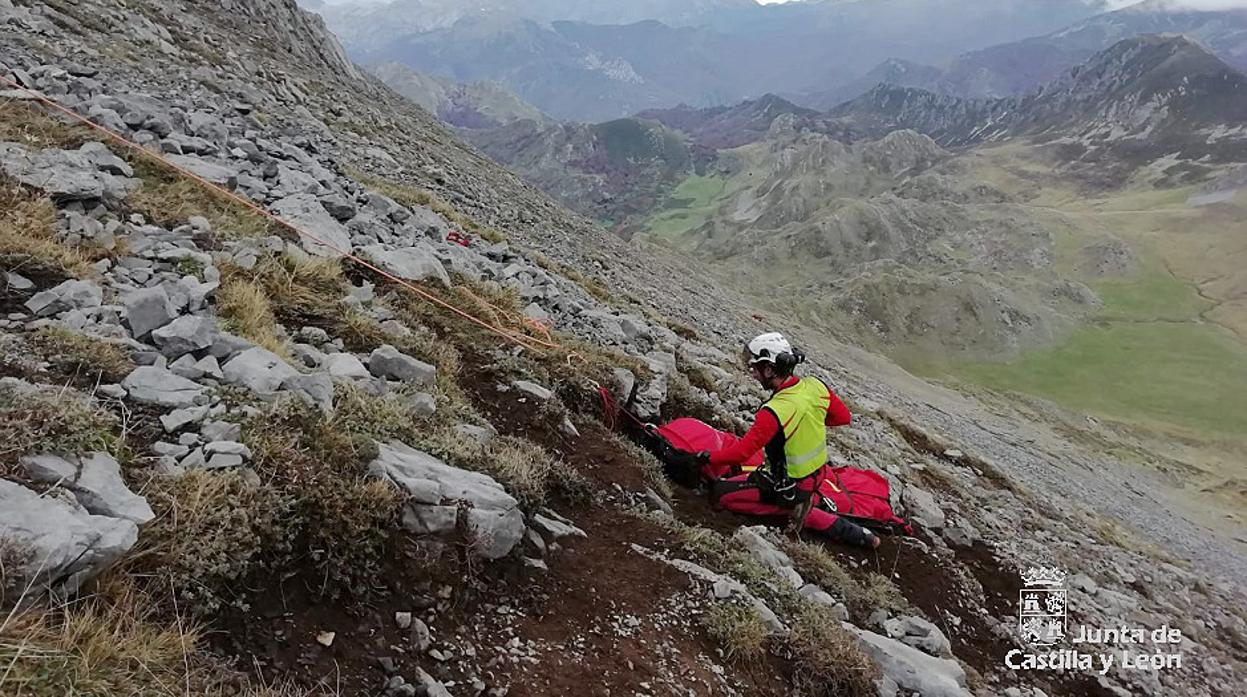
(1196, 4)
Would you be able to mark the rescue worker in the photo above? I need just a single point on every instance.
(791, 428)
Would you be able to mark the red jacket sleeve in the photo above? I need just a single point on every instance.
(764, 428)
(837, 413)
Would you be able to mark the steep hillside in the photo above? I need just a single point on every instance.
(898, 73)
(291, 436)
(478, 106)
(903, 253)
(721, 128)
(608, 172)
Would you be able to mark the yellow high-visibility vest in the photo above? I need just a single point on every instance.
(802, 413)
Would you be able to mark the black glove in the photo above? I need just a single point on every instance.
(684, 467)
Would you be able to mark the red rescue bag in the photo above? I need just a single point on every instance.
(862, 495)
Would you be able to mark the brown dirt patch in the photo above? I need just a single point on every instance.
(613, 619)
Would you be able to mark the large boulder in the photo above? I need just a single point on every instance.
(409, 263)
(219, 174)
(151, 385)
(149, 309)
(185, 335)
(67, 544)
(305, 213)
(70, 295)
(920, 634)
(64, 175)
(923, 507)
(95, 481)
(259, 370)
(315, 389)
(345, 365)
(912, 669)
(389, 363)
(437, 490)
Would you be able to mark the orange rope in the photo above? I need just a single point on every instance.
(525, 341)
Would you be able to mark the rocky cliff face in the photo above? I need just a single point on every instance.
(1125, 107)
(355, 486)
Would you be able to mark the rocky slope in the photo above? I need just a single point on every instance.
(210, 417)
(723, 128)
(887, 241)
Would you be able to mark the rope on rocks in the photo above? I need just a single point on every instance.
(520, 339)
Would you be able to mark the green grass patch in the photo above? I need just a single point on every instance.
(1170, 374)
(1153, 294)
(696, 198)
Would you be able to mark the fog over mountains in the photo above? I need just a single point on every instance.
(596, 61)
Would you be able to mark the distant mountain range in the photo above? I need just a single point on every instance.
(1140, 100)
(597, 61)
(1014, 68)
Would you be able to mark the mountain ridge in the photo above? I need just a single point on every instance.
(1140, 99)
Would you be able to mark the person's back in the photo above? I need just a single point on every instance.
(791, 428)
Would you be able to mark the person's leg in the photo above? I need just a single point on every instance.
(828, 524)
(739, 495)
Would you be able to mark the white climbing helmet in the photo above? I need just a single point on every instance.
(766, 348)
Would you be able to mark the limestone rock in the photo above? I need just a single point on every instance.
(306, 214)
(68, 544)
(152, 385)
(494, 515)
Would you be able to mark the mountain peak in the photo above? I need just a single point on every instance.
(1149, 65)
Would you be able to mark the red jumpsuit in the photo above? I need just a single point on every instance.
(742, 496)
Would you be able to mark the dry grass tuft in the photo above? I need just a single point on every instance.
(818, 566)
(115, 643)
(30, 125)
(212, 530)
(59, 420)
(738, 629)
(301, 287)
(245, 309)
(73, 352)
(827, 658)
(341, 518)
(167, 198)
(526, 469)
(28, 240)
(94, 647)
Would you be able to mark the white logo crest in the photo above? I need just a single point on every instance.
(1041, 606)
